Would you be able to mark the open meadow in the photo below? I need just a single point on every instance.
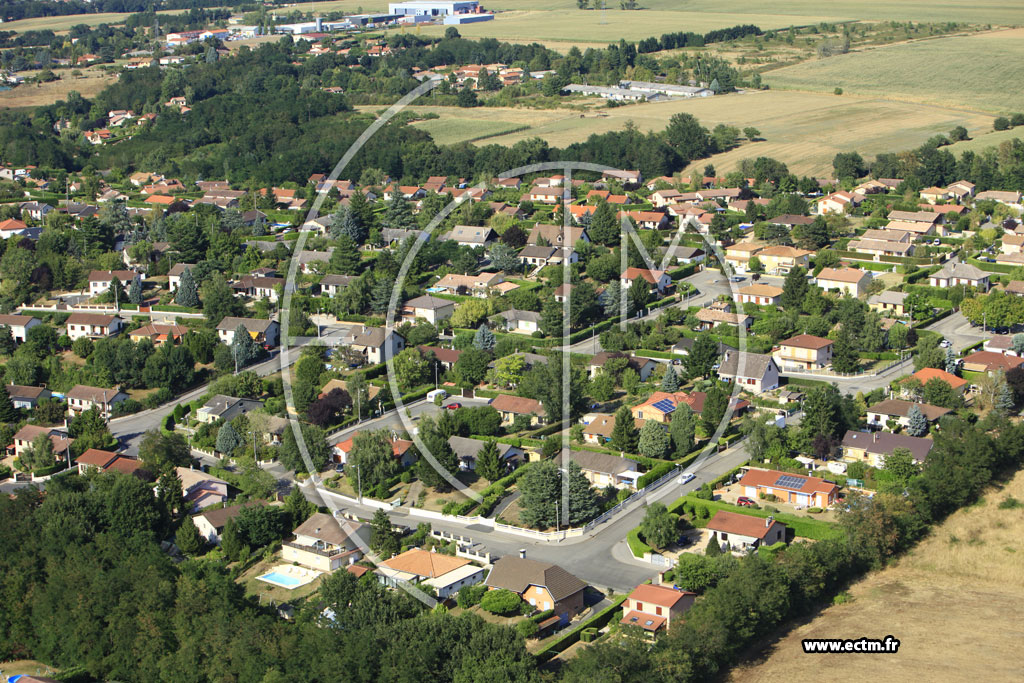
(955, 603)
(987, 64)
(64, 23)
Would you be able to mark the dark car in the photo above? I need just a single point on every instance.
(453, 406)
(744, 501)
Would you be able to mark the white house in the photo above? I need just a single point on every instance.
(99, 280)
(19, 325)
(852, 281)
(93, 325)
(377, 344)
(430, 308)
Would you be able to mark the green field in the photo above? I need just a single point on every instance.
(66, 22)
(987, 67)
(984, 141)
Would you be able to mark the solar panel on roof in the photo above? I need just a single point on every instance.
(665, 405)
(790, 482)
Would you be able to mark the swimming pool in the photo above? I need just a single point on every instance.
(287, 576)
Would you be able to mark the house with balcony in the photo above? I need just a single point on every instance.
(82, 398)
(898, 411)
(779, 259)
(93, 325)
(653, 608)
(24, 437)
(804, 352)
(872, 448)
(326, 544)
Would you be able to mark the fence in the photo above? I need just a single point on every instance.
(825, 372)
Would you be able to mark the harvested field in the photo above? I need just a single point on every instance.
(907, 72)
(955, 603)
(34, 95)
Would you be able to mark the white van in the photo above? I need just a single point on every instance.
(432, 395)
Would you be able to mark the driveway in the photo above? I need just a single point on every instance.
(959, 331)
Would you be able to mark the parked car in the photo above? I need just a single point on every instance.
(945, 343)
(737, 278)
(340, 467)
(936, 242)
(453, 406)
(686, 478)
(744, 501)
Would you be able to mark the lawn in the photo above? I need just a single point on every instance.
(974, 556)
(267, 592)
(449, 130)
(804, 130)
(907, 72)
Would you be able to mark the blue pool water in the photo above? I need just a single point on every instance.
(282, 579)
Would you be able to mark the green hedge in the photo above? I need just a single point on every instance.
(650, 353)
(802, 526)
(174, 308)
(597, 621)
(881, 355)
(636, 546)
(922, 274)
(991, 267)
(684, 271)
(657, 473)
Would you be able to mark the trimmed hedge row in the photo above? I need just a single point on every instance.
(597, 621)
(655, 474)
(801, 526)
(637, 546)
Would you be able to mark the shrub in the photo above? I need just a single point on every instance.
(526, 628)
(838, 91)
(1001, 123)
(814, 511)
(501, 601)
(470, 595)
(587, 635)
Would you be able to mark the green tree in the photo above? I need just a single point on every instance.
(639, 295)
(794, 289)
(372, 459)
(702, 357)
(228, 439)
(135, 291)
(551, 318)
(488, 462)
(39, 453)
(625, 436)
(682, 430)
(471, 367)
(484, 338)
(244, 348)
(716, 404)
(938, 392)
(411, 369)
(218, 299)
(901, 467)
(670, 382)
(604, 225)
(540, 487)
(298, 508)
(188, 539)
(918, 423)
(345, 259)
(845, 358)
(160, 451)
(1004, 398)
(659, 527)
(8, 413)
(7, 345)
(384, 540)
(116, 292)
(583, 505)
(654, 440)
(602, 387)
(687, 138)
(434, 434)
(315, 439)
(713, 548)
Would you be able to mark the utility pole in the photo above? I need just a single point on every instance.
(359, 483)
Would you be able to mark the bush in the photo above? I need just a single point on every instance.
(501, 601)
(470, 595)
(1001, 123)
(587, 635)
(526, 628)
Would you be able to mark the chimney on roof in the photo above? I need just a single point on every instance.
(768, 521)
(522, 553)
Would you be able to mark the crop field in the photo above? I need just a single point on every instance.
(915, 72)
(804, 130)
(34, 95)
(990, 139)
(955, 603)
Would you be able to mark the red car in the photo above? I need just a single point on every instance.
(453, 406)
(744, 501)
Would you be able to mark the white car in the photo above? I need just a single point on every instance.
(945, 343)
(686, 478)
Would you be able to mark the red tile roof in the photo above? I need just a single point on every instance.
(742, 525)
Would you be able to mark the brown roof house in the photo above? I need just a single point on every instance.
(604, 469)
(93, 325)
(852, 281)
(23, 439)
(326, 544)
(510, 407)
(26, 397)
(805, 352)
(82, 398)
(735, 531)
(642, 366)
(872, 448)
(545, 586)
(898, 410)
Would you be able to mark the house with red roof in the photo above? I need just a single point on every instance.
(789, 488)
(401, 449)
(653, 608)
(924, 375)
(656, 279)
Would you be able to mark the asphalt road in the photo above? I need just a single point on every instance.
(958, 331)
(601, 557)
